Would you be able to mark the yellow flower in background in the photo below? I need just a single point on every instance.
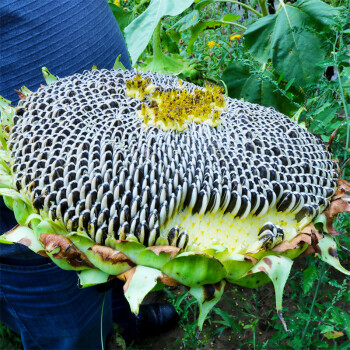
(211, 44)
(218, 45)
(235, 37)
(117, 2)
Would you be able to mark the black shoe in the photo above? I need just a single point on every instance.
(156, 318)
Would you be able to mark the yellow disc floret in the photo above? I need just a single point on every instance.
(176, 108)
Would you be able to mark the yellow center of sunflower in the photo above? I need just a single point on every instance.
(239, 236)
(176, 108)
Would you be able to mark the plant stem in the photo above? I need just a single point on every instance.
(313, 304)
(243, 5)
(235, 24)
(342, 100)
(136, 7)
(157, 48)
(262, 4)
(103, 304)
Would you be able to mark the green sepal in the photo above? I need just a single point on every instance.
(237, 266)
(321, 222)
(82, 233)
(252, 281)
(8, 202)
(6, 120)
(148, 258)
(92, 277)
(84, 244)
(62, 263)
(22, 235)
(130, 249)
(25, 91)
(48, 226)
(49, 78)
(207, 296)
(277, 268)
(194, 269)
(118, 64)
(328, 248)
(81, 242)
(290, 253)
(5, 155)
(6, 181)
(43, 227)
(21, 211)
(7, 111)
(140, 254)
(4, 167)
(218, 252)
(8, 192)
(18, 203)
(33, 220)
(3, 170)
(142, 282)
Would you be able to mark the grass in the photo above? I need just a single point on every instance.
(316, 307)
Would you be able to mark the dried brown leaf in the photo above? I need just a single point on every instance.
(127, 277)
(67, 250)
(111, 255)
(166, 249)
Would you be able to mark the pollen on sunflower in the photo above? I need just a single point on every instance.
(175, 109)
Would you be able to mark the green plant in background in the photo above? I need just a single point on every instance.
(9, 340)
(279, 62)
(316, 315)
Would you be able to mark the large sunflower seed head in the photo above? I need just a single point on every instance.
(84, 156)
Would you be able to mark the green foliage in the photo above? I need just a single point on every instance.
(197, 29)
(123, 17)
(9, 340)
(290, 39)
(243, 80)
(139, 32)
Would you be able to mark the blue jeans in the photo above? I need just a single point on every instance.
(44, 305)
(39, 300)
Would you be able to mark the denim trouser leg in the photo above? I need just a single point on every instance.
(44, 305)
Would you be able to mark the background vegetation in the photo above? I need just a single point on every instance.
(295, 57)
